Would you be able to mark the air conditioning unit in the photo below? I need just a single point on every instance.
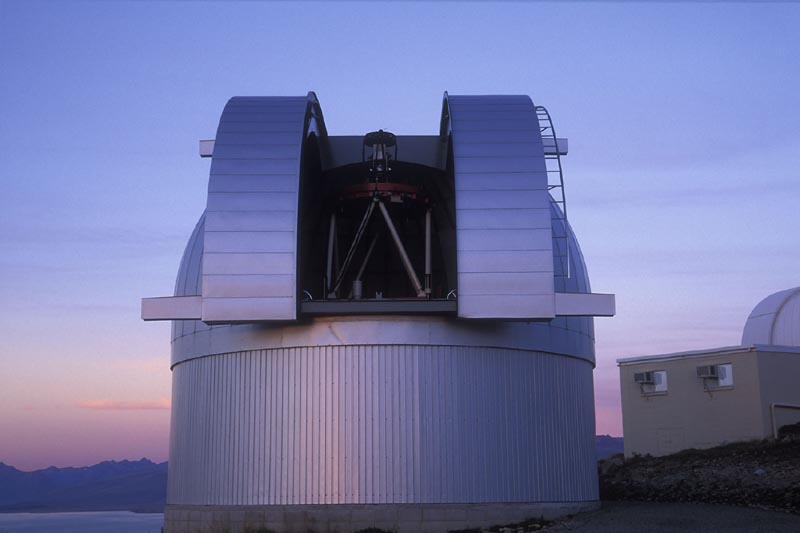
(644, 377)
(709, 371)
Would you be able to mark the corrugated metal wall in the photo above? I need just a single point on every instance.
(382, 424)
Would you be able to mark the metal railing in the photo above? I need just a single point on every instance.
(555, 186)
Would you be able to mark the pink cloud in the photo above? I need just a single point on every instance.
(123, 405)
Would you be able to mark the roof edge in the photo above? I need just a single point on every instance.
(711, 351)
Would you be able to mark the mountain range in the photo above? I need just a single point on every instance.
(606, 445)
(139, 486)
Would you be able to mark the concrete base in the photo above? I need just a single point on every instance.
(398, 518)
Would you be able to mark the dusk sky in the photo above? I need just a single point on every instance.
(682, 177)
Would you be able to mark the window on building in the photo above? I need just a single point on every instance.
(653, 382)
(725, 375)
(716, 376)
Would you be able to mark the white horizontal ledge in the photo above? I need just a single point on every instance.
(190, 307)
(172, 308)
(585, 304)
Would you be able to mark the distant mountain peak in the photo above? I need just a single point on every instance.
(7, 468)
(606, 445)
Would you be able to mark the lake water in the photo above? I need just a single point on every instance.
(100, 522)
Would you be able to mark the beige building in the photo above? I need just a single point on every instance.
(704, 398)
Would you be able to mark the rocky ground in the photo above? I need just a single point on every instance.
(762, 474)
(648, 517)
(659, 517)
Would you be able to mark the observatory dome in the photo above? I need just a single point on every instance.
(381, 330)
(775, 320)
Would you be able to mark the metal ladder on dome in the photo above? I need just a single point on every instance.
(555, 186)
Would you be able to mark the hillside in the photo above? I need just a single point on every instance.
(111, 485)
(763, 474)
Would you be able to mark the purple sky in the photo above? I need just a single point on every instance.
(682, 177)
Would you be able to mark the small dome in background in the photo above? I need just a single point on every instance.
(775, 320)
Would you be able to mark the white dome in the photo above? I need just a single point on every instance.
(775, 320)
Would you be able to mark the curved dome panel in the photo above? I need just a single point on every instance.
(190, 279)
(503, 232)
(775, 320)
(252, 211)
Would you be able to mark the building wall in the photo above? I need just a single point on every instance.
(688, 415)
(369, 424)
(779, 376)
